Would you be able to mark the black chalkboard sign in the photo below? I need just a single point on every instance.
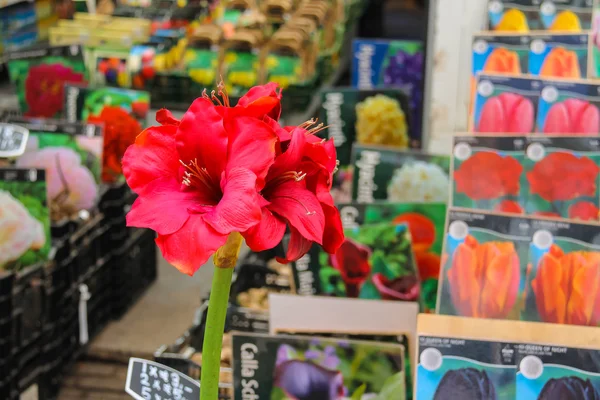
(13, 140)
(148, 380)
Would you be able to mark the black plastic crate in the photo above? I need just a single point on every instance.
(29, 297)
(28, 365)
(6, 286)
(84, 243)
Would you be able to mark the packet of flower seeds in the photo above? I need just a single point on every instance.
(564, 361)
(384, 173)
(283, 367)
(570, 251)
(109, 67)
(123, 113)
(71, 154)
(398, 63)
(505, 104)
(466, 358)
(487, 173)
(569, 107)
(549, 189)
(40, 75)
(24, 212)
(561, 55)
(426, 223)
(375, 261)
(478, 247)
(525, 15)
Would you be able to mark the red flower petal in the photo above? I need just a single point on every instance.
(154, 155)
(267, 234)
(165, 117)
(201, 136)
(239, 208)
(333, 235)
(262, 100)
(584, 210)
(251, 146)
(292, 201)
(191, 246)
(291, 158)
(297, 247)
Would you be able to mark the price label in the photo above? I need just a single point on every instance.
(148, 380)
(13, 139)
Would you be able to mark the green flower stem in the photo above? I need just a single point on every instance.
(225, 259)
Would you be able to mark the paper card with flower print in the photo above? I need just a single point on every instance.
(375, 262)
(23, 211)
(541, 176)
(426, 223)
(525, 15)
(40, 75)
(123, 113)
(284, 367)
(384, 173)
(71, 154)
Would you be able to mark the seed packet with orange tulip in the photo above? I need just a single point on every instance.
(425, 222)
(40, 75)
(569, 107)
(562, 284)
(385, 173)
(562, 177)
(375, 262)
(484, 265)
(123, 113)
(505, 104)
(487, 173)
(560, 55)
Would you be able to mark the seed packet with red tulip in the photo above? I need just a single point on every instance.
(426, 222)
(484, 265)
(385, 173)
(562, 177)
(40, 75)
(487, 173)
(456, 368)
(284, 367)
(123, 113)
(377, 116)
(563, 273)
(375, 262)
(505, 104)
(24, 218)
(569, 107)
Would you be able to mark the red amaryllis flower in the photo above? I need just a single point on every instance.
(509, 206)
(563, 176)
(404, 288)
(198, 179)
(352, 261)
(120, 131)
(297, 193)
(584, 210)
(488, 175)
(44, 88)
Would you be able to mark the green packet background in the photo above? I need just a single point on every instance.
(28, 188)
(264, 366)
(382, 173)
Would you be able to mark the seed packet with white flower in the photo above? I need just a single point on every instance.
(71, 154)
(302, 367)
(384, 173)
(24, 218)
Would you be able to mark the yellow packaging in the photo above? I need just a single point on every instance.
(60, 36)
(99, 18)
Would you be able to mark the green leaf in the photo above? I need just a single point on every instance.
(394, 388)
(369, 291)
(358, 393)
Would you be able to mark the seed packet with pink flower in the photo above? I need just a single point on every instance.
(301, 367)
(40, 75)
(375, 261)
(71, 154)
(123, 113)
(24, 218)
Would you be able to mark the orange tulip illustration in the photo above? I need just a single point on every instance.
(567, 287)
(561, 63)
(503, 61)
(484, 278)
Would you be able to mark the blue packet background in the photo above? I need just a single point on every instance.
(396, 63)
(574, 46)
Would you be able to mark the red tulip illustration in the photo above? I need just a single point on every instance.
(422, 232)
(352, 261)
(584, 210)
(507, 113)
(405, 288)
(509, 206)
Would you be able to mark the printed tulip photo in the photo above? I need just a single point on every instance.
(374, 262)
(558, 382)
(24, 219)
